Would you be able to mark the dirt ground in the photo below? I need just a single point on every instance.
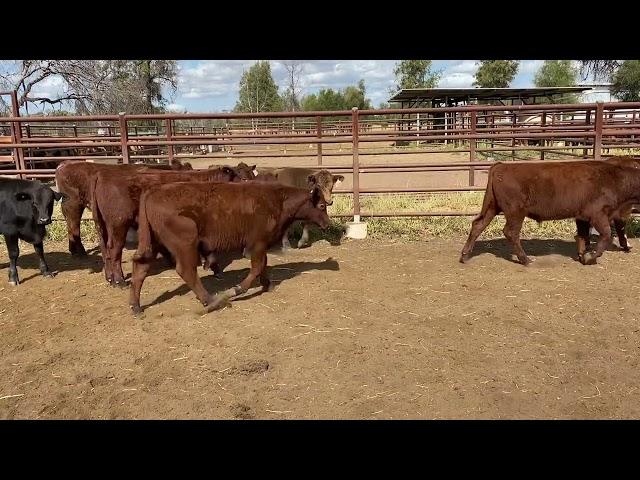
(362, 330)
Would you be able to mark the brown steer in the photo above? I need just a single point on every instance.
(192, 220)
(583, 227)
(309, 178)
(115, 202)
(75, 179)
(595, 192)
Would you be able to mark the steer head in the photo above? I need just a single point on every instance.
(245, 172)
(324, 182)
(314, 210)
(42, 199)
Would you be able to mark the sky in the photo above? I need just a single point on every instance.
(212, 85)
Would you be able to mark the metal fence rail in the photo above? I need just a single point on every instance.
(34, 145)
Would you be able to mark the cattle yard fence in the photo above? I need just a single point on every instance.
(31, 147)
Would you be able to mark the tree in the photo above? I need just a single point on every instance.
(346, 99)
(496, 73)
(258, 91)
(626, 81)
(94, 86)
(415, 74)
(599, 69)
(557, 73)
(291, 96)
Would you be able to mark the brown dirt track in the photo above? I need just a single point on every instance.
(367, 329)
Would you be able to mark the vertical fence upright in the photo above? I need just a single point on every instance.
(597, 144)
(356, 165)
(124, 137)
(319, 135)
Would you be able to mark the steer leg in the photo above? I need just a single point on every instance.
(477, 227)
(115, 245)
(622, 237)
(602, 225)
(141, 267)
(512, 232)
(44, 268)
(582, 238)
(285, 241)
(72, 211)
(187, 267)
(14, 252)
(258, 269)
(304, 239)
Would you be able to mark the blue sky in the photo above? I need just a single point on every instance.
(212, 85)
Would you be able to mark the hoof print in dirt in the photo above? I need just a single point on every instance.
(242, 411)
(250, 368)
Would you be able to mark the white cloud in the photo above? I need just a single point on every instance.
(456, 80)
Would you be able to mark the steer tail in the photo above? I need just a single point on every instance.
(97, 214)
(145, 240)
(489, 201)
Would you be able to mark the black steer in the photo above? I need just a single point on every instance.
(25, 208)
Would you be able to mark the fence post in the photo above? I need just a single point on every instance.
(319, 135)
(543, 122)
(514, 121)
(16, 134)
(356, 166)
(597, 144)
(587, 121)
(124, 137)
(169, 138)
(472, 148)
(75, 130)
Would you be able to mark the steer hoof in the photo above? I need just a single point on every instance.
(49, 274)
(302, 245)
(15, 283)
(464, 258)
(626, 249)
(216, 303)
(136, 309)
(218, 276)
(589, 258)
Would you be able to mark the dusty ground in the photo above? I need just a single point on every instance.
(363, 330)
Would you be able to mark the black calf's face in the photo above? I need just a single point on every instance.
(245, 172)
(324, 182)
(42, 199)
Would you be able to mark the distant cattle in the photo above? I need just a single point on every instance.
(596, 192)
(115, 197)
(75, 178)
(583, 227)
(193, 220)
(243, 171)
(310, 178)
(25, 208)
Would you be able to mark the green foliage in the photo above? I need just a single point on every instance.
(557, 73)
(626, 81)
(496, 73)
(416, 74)
(345, 99)
(258, 91)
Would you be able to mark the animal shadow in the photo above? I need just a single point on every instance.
(58, 262)
(535, 247)
(277, 274)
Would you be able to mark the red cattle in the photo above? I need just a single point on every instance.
(115, 201)
(75, 178)
(194, 220)
(583, 227)
(596, 192)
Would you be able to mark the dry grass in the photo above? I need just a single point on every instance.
(409, 228)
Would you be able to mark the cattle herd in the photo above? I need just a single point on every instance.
(195, 217)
